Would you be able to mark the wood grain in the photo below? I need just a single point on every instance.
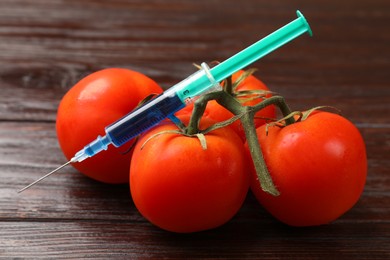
(46, 46)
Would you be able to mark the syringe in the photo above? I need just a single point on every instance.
(175, 98)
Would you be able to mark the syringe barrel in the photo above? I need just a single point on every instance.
(161, 107)
(143, 118)
(133, 124)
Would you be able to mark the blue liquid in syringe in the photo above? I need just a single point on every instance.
(143, 118)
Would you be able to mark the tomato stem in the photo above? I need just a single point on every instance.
(262, 172)
(246, 114)
(198, 111)
(229, 85)
(278, 101)
(247, 120)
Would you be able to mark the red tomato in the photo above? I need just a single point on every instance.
(319, 166)
(180, 187)
(88, 107)
(219, 113)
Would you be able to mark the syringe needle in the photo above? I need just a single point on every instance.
(44, 177)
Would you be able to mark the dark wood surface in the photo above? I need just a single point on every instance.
(48, 45)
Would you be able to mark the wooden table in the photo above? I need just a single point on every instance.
(48, 45)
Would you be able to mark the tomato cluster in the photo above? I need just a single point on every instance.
(187, 183)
